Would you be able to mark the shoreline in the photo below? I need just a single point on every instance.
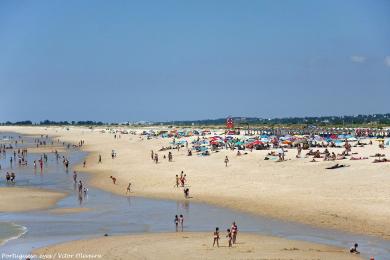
(194, 245)
(263, 207)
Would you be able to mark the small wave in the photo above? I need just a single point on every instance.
(10, 231)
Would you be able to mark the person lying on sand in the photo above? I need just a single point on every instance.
(378, 155)
(337, 166)
(380, 160)
(358, 158)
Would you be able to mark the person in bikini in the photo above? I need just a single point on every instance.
(234, 229)
(229, 236)
(216, 237)
(181, 220)
(176, 220)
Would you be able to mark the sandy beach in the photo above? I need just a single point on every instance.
(15, 199)
(195, 246)
(351, 199)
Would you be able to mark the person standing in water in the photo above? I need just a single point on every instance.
(181, 220)
(216, 237)
(80, 186)
(176, 220)
(74, 176)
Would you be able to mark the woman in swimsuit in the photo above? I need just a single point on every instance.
(216, 237)
(181, 220)
(176, 222)
(226, 161)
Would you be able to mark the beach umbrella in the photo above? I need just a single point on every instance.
(257, 142)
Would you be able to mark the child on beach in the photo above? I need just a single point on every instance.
(354, 250)
(216, 237)
(229, 236)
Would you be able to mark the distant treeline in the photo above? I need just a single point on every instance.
(49, 122)
(375, 119)
(361, 120)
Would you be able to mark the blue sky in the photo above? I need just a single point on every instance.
(174, 60)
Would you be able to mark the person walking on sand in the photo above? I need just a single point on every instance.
(216, 237)
(156, 158)
(128, 188)
(176, 220)
(226, 161)
(181, 220)
(152, 155)
(113, 179)
(229, 236)
(234, 229)
(177, 181)
(186, 193)
(84, 163)
(100, 158)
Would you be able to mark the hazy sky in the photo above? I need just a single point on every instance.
(171, 60)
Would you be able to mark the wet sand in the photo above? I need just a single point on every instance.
(353, 199)
(15, 199)
(195, 245)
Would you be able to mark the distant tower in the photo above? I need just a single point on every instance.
(229, 123)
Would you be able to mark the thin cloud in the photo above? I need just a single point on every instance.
(387, 61)
(358, 59)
